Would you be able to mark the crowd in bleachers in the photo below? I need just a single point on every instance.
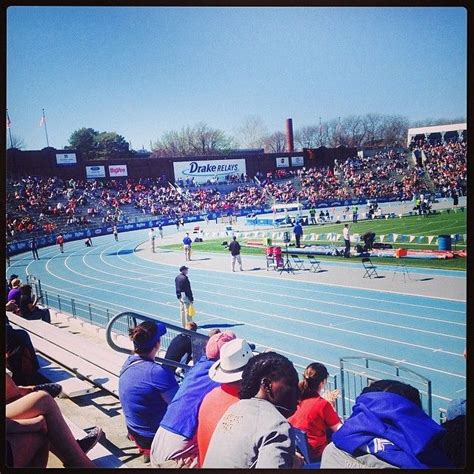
(46, 205)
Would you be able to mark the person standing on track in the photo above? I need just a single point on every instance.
(234, 248)
(160, 229)
(34, 248)
(184, 294)
(347, 240)
(151, 236)
(115, 232)
(187, 242)
(60, 242)
(298, 231)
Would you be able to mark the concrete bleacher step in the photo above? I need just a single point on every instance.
(76, 353)
(71, 385)
(100, 455)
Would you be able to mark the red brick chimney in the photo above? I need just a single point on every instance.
(289, 135)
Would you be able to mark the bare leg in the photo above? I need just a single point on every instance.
(63, 443)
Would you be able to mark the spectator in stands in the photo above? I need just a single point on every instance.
(15, 293)
(34, 425)
(145, 387)
(228, 372)
(315, 414)
(254, 432)
(387, 429)
(175, 442)
(29, 305)
(180, 347)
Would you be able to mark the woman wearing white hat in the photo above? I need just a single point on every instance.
(227, 371)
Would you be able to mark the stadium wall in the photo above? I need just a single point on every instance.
(44, 162)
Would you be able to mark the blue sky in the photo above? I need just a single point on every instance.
(141, 71)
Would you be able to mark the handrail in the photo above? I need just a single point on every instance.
(198, 341)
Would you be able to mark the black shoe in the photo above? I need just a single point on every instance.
(91, 439)
(54, 389)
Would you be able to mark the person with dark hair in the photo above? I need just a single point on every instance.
(298, 231)
(184, 294)
(34, 248)
(29, 306)
(254, 432)
(145, 387)
(180, 347)
(347, 240)
(315, 414)
(387, 429)
(60, 242)
(234, 248)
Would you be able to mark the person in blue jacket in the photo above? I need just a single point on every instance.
(145, 387)
(298, 231)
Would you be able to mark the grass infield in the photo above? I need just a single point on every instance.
(438, 224)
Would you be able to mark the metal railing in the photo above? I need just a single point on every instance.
(356, 373)
(121, 324)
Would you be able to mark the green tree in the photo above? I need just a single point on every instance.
(111, 145)
(84, 140)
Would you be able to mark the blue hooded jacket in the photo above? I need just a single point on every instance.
(393, 429)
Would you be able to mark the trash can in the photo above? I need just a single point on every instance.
(444, 242)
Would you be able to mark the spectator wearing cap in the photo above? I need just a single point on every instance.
(228, 372)
(184, 294)
(387, 429)
(145, 387)
(254, 432)
(175, 441)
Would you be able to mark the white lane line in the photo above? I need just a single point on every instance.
(282, 318)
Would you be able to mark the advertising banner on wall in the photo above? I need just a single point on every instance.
(202, 171)
(117, 170)
(283, 162)
(95, 171)
(66, 159)
(297, 161)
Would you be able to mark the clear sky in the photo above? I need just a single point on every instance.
(141, 71)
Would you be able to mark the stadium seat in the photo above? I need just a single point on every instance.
(370, 268)
(301, 444)
(315, 264)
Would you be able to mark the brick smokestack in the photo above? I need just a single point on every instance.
(289, 135)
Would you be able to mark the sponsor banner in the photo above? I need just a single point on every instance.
(66, 159)
(118, 170)
(283, 162)
(95, 171)
(202, 171)
(297, 161)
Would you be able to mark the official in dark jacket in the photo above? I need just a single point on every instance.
(184, 294)
(234, 248)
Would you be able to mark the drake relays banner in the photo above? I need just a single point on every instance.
(202, 171)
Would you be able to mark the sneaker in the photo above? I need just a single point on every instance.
(54, 389)
(91, 439)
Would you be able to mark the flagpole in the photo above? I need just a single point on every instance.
(9, 125)
(45, 129)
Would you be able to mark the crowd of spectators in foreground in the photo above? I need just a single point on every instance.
(41, 205)
(242, 410)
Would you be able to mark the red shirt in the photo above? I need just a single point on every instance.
(314, 415)
(212, 408)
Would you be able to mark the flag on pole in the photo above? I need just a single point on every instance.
(9, 123)
(42, 121)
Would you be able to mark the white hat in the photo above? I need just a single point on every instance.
(234, 356)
